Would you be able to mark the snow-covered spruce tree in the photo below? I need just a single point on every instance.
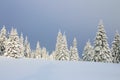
(116, 48)
(38, 51)
(61, 51)
(101, 47)
(27, 51)
(3, 39)
(44, 55)
(88, 52)
(58, 48)
(32, 55)
(74, 56)
(13, 45)
(52, 56)
(22, 43)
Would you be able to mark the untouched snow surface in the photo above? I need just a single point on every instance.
(35, 69)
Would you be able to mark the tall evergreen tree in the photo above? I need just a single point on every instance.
(27, 51)
(88, 52)
(22, 43)
(3, 39)
(61, 52)
(101, 48)
(74, 56)
(116, 48)
(58, 48)
(13, 45)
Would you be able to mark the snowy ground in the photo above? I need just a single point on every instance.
(35, 69)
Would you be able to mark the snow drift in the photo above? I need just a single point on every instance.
(36, 69)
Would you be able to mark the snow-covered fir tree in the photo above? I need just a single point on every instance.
(88, 52)
(32, 55)
(65, 50)
(61, 51)
(27, 51)
(58, 46)
(38, 53)
(116, 48)
(44, 55)
(52, 56)
(101, 47)
(74, 56)
(22, 43)
(13, 45)
(3, 39)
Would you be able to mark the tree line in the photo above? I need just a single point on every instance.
(13, 45)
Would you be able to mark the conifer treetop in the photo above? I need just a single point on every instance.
(74, 42)
(38, 45)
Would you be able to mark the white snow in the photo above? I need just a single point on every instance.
(36, 69)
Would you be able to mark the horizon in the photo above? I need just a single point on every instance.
(34, 47)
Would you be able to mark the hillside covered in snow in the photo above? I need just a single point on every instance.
(37, 69)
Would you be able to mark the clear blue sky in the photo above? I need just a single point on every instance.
(42, 19)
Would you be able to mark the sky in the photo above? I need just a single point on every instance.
(42, 19)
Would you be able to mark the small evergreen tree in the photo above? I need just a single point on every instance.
(101, 48)
(38, 51)
(88, 52)
(3, 40)
(116, 48)
(52, 56)
(44, 54)
(74, 56)
(32, 55)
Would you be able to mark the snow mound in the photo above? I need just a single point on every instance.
(36, 69)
